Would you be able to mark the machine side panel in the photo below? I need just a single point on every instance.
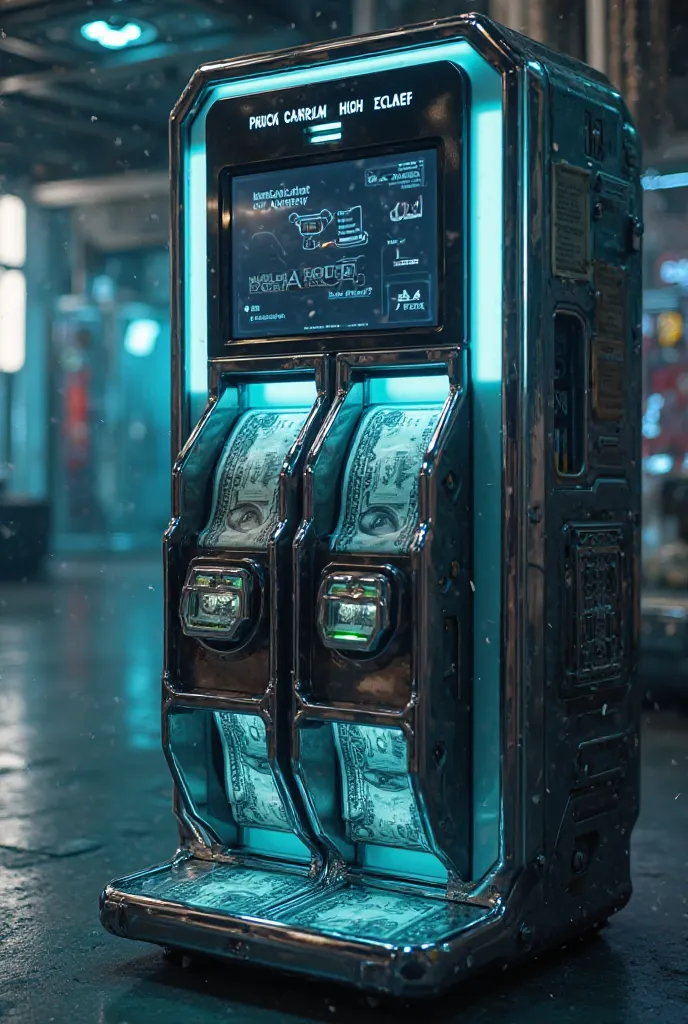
(533, 448)
(591, 518)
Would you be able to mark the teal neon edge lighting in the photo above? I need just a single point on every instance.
(331, 126)
(281, 394)
(316, 139)
(409, 390)
(486, 329)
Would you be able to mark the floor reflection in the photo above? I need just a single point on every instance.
(85, 797)
(142, 706)
(539, 993)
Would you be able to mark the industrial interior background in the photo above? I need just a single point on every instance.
(84, 493)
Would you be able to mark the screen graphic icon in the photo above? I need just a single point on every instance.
(310, 226)
(350, 227)
(407, 211)
(409, 300)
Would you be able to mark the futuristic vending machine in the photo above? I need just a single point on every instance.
(401, 572)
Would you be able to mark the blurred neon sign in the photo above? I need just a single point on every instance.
(653, 182)
(674, 272)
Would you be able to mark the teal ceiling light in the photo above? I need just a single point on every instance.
(116, 37)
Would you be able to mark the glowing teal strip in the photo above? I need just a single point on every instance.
(330, 126)
(389, 860)
(334, 137)
(195, 296)
(653, 181)
(411, 390)
(294, 394)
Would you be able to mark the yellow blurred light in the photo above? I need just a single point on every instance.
(669, 329)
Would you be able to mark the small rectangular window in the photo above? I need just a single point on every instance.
(569, 393)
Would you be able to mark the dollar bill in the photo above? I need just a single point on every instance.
(245, 503)
(231, 888)
(251, 787)
(379, 509)
(360, 912)
(378, 805)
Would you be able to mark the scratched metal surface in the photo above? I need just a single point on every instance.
(85, 796)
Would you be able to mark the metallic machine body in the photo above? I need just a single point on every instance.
(504, 645)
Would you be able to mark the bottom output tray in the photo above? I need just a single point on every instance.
(360, 933)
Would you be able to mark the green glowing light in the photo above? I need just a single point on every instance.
(342, 588)
(232, 581)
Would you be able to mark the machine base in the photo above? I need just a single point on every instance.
(373, 937)
(379, 938)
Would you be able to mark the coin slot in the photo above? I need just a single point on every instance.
(221, 605)
(357, 613)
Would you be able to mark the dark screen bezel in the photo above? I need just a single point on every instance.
(228, 298)
(439, 121)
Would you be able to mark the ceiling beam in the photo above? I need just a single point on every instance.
(40, 54)
(18, 5)
(94, 102)
(295, 11)
(16, 12)
(87, 191)
(201, 50)
(26, 11)
(25, 113)
(232, 8)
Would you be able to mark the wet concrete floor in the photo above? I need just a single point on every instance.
(85, 797)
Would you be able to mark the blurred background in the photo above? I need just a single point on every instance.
(86, 87)
(85, 93)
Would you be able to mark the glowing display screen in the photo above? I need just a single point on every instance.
(343, 246)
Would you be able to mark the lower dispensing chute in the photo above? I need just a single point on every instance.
(250, 785)
(378, 803)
